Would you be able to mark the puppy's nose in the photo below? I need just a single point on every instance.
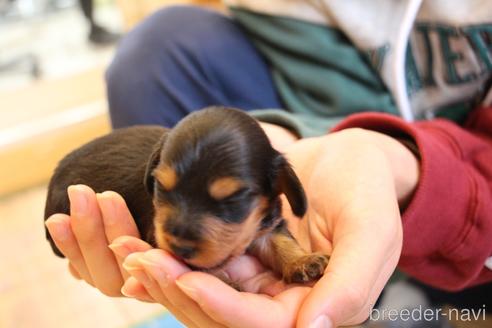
(184, 252)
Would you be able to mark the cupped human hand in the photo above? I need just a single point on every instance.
(356, 182)
(95, 221)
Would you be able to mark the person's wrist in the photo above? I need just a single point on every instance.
(405, 166)
(279, 136)
(403, 162)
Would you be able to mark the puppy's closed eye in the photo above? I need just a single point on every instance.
(243, 195)
(224, 187)
(237, 206)
(185, 252)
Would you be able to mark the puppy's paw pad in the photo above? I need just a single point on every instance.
(307, 268)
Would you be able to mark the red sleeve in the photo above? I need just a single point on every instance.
(447, 228)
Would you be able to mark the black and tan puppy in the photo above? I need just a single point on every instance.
(212, 190)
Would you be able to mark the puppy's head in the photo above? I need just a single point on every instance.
(215, 181)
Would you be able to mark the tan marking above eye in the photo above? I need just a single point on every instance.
(224, 187)
(167, 176)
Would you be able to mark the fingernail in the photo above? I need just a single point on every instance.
(119, 249)
(107, 207)
(321, 322)
(190, 291)
(127, 267)
(157, 272)
(78, 199)
(140, 275)
(125, 292)
(57, 228)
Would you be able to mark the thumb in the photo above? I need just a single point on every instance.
(241, 309)
(126, 245)
(356, 274)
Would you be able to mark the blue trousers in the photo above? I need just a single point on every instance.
(182, 59)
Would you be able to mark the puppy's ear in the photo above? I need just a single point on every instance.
(289, 184)
(152, 163)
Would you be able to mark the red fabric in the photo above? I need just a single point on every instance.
(447, 228)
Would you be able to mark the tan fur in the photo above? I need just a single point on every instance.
(277, 250)
(167, 176)
(283, 255)
(224, 187)
(162, 212)
(226, 240)
(164, 241)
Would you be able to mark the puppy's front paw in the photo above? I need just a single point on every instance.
(306, 268)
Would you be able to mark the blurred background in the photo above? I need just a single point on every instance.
(53, 54)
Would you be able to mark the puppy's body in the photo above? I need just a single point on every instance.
(116, 162)
(207, 190)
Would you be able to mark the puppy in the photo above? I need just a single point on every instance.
(213, 186)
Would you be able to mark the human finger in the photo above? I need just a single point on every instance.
(242, 309)
(134, 289)
(74, 271)
(117, 220)
(356, 274)
(88, 228)
(163, 268)
(182, 312)
(126, 245)
(60, 230)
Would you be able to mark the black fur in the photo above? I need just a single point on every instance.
(115, 162)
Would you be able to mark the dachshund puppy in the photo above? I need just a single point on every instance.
(213, 191)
